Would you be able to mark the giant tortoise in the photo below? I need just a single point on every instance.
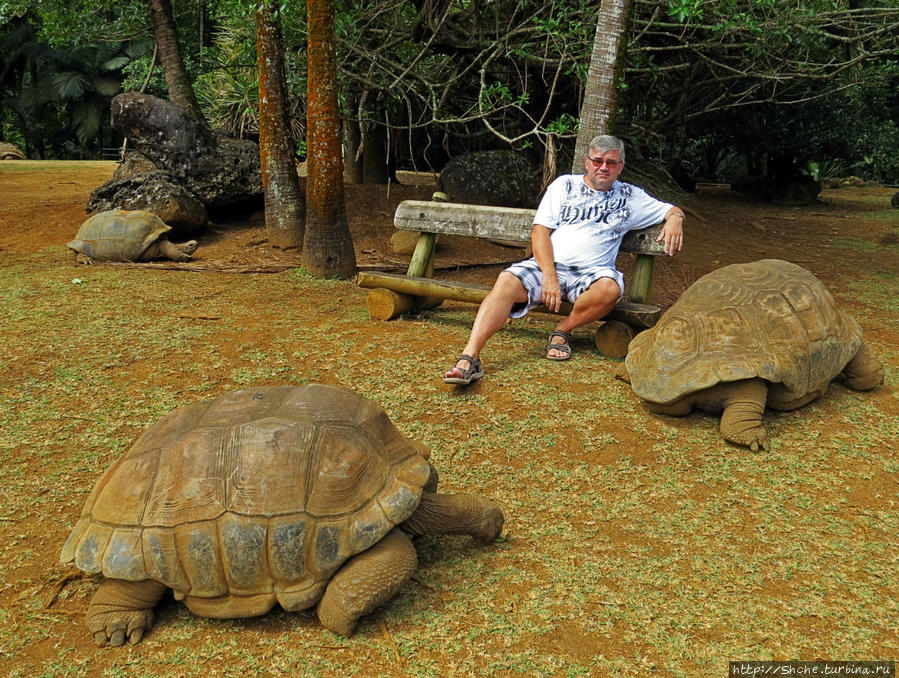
(127, 235)
(746, 336)
(290, 495)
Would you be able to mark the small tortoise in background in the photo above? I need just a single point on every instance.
(10, 152)
(746, 336)
(127, 235)
(291, 495)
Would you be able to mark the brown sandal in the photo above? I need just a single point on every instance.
(471, 373)
(564, 347)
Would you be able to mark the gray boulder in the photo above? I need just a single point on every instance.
(155, 192)
(218, 170)
(133, 165)
(795, 192)
(500, 178)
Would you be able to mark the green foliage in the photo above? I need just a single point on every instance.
(565, 125)
(55, 91)
(758, 77)
(449, 77)
(685, 10)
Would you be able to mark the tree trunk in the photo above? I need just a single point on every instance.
(352, 166)
(605, 66)
(181, 93)
(328, 245)
(377, 165)
(284, 209)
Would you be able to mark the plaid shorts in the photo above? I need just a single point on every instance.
(572, 280)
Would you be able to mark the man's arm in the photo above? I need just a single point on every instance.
(543, 253)
(673, 231)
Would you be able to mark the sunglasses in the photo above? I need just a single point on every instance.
(599, 162)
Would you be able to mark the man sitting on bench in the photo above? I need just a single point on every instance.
(577, 231)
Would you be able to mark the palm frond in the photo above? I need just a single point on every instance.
(116, 63)
(87, 117)
(70, 85)
(107, 86)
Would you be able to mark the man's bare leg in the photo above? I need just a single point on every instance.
(492, 315)
(594, 303)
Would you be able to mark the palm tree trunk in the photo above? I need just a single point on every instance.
(328, 245)
(284, 208)
(181, 93)
(605, 67)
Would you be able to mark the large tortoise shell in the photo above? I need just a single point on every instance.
(260, 494)
(770, 319)
(118, 235)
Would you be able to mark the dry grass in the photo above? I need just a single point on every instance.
(635, 544)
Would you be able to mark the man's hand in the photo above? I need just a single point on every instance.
(552, 292)
(673, 231)
(543, 253)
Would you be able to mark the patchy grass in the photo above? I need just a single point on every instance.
(634, 544)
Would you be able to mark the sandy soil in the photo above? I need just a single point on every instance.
(44, 208)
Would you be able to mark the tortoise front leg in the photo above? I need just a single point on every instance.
(123, 609)
(743, 406)
(366, 581)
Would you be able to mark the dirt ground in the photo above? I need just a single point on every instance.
(41, 209)
(45, 208)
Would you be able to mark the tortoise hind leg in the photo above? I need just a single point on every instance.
(366, 581)
(123, 610)
(864, 371)
(169, 250)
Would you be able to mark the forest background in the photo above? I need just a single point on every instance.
(705, 87)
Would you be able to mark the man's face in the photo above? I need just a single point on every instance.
(602, 169)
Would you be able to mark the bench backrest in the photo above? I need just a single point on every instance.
(499, 223)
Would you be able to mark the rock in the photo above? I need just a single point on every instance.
(218, 170)
(499, 178)
(133, 165)
(795, 192)
(753, 186)
(842, 182)
(154, 192)
(894, 201)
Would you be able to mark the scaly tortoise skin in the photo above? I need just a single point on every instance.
(127, 235)
(259, 497)
(746, 336)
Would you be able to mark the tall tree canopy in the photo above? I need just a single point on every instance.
(446, 77)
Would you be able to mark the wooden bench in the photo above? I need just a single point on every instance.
(393, 295)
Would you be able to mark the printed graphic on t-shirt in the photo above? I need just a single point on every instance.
(582, 206)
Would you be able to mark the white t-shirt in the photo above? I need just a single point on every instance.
(587, 225)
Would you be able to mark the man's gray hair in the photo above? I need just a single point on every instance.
(603, 143)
